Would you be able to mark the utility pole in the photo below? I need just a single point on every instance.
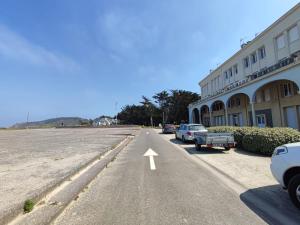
(116, 109)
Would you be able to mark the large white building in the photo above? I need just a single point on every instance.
(260, 81)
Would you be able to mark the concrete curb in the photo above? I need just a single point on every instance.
(43, 214)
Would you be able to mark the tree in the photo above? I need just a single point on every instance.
(179, 101)
(172, 107)
(162, 99)
(149, 106)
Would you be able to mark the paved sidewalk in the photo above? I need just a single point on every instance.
(249, 170)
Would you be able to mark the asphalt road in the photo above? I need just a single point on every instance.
(179, 191)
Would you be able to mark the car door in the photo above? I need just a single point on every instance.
(184, 130)
(179, 132)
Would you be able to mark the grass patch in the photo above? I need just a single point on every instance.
(28, 206)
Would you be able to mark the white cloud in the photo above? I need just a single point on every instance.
(16, 47)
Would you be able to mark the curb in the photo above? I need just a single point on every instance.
(43, 214)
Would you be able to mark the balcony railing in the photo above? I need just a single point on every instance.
(282, 63)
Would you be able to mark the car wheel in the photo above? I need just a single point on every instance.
(294, 190)
(183, 139)
(197, 146)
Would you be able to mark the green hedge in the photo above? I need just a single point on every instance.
(260, 140)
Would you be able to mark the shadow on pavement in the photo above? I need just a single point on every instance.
(263, 200)
(190, 148)
(243, 152)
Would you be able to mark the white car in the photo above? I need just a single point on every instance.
(186, 131)
(285, 167)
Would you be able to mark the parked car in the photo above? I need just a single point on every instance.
(285, 167)
(169, 129)
(185, 132)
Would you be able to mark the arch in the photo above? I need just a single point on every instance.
(295, 86)
(204, 115)
(218, 112)
(196, 115)
(236, 95)
(215, 106)
(204, 108)
(283, 112)
(237, 109)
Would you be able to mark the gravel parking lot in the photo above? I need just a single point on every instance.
(31, 161)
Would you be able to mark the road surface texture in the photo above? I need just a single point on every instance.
(179, 191)
(33, 160)
(250, 170)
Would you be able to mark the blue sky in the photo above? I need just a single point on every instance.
(78, 57)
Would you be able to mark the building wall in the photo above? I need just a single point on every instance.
(216, 80)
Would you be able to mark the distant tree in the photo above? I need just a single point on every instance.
(149, 108)
(162, 99)
(173, 105)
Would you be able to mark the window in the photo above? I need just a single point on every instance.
(253, 58)
(230, 72)
(217, 106)
(236, 119)
(280, 42)
(219, 120)
(287, 90)
(259, 97)
(293, 34)
(235, 69)
(261, 120)
(267, 95)
(246, 62)
(226, 75)
(231, 103)
(238, 101)
(262, 52)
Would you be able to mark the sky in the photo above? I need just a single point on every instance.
(90, 58)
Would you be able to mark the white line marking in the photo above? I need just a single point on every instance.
(150, 153)
(152, 163)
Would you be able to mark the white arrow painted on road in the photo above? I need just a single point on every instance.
(151, 155)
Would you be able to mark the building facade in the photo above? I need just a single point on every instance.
(258, 85)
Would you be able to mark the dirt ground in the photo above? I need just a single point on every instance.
(33, 160)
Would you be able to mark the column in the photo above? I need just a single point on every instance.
(226, 116)
(190, 115)
(200, 118)
(253, 114)
(210, 118)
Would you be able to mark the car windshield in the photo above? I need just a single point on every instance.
(196, 127)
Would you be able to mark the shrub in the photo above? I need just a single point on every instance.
(265, 140)
(260, 140)
(28, 206)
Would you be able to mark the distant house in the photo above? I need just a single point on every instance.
(105, 121)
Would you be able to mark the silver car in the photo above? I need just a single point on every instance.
(186, 131)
